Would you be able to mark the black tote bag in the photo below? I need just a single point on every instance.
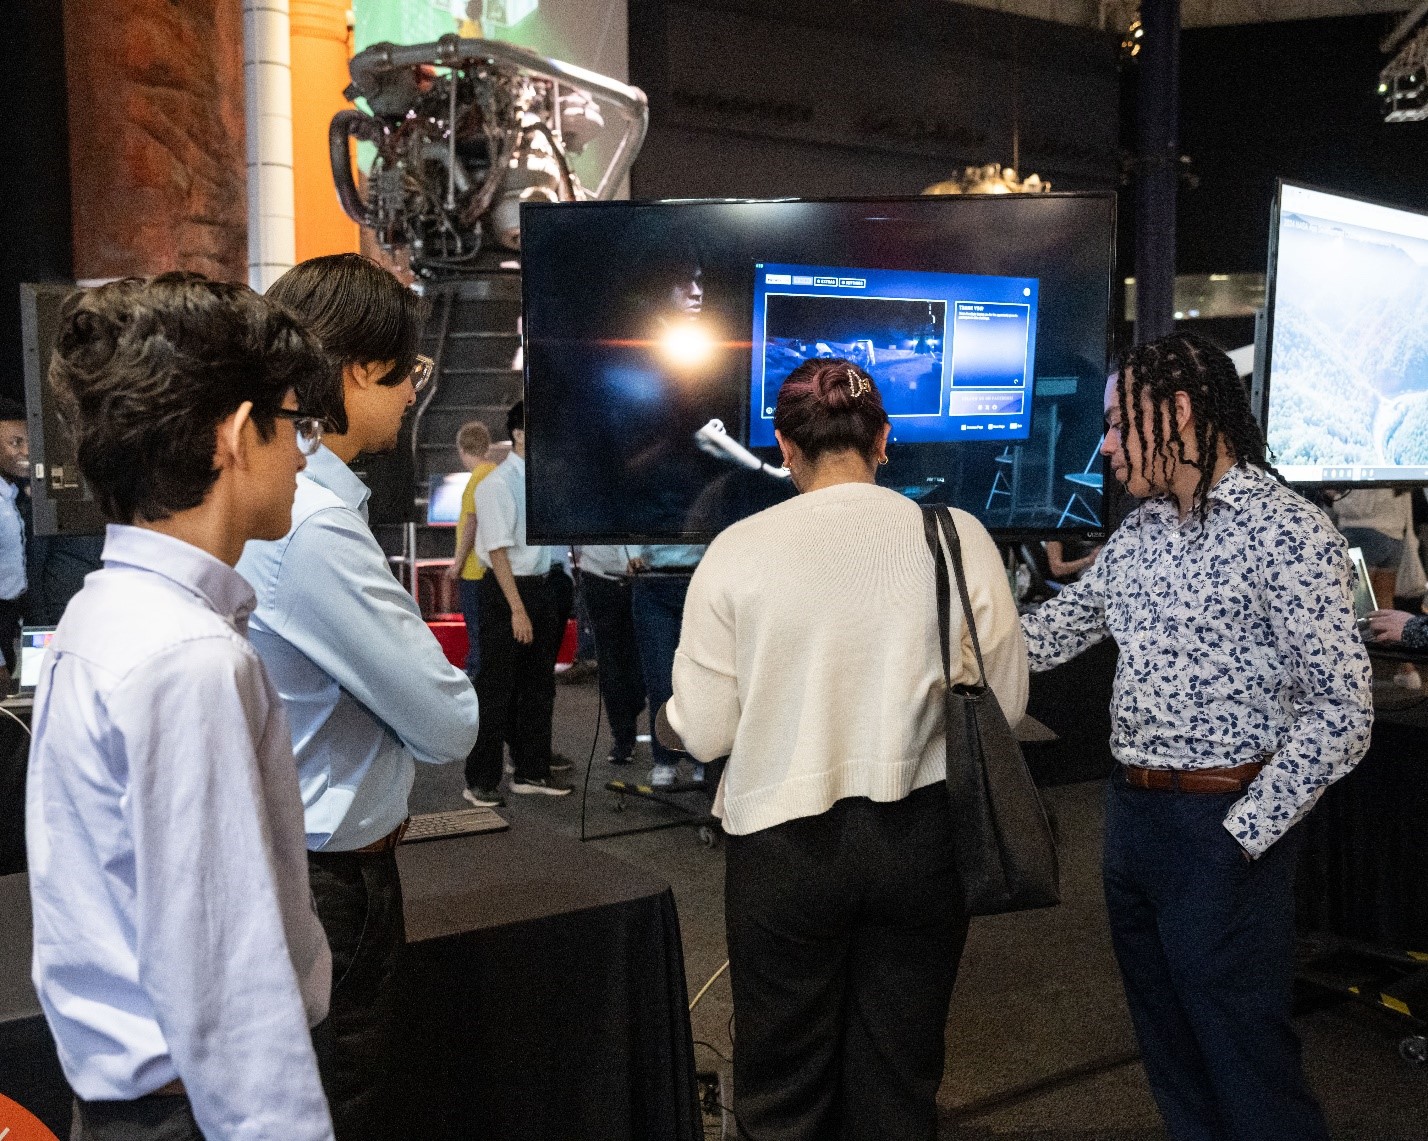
(1004, 845)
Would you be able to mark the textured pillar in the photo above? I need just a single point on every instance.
(1157, 169)
(320, 51)
(267, 83)
(156, 123)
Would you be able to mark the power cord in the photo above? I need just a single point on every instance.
(590, 761)
(18, 722)
(705, 988)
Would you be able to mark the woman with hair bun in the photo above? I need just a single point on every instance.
(810, 657)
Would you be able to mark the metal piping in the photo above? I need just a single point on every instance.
(453, 51)
(268, 92)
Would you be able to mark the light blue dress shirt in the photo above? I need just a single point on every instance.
(175, 935)
(366, 685)
(12, 542)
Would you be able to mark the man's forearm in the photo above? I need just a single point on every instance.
(501, 566)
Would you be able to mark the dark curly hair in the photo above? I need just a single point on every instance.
(1188, 363)
(830, 405)
(146, 370)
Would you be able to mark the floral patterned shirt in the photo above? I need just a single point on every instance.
(1237, 640)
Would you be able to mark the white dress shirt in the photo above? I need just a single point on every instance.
(501, 520)
(605, 560)
(175, 935)
(12, 541)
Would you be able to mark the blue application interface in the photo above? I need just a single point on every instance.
(952, 354)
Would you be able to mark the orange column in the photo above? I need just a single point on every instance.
(320, 51)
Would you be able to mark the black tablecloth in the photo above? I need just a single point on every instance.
(544, 998)
(1363, 874)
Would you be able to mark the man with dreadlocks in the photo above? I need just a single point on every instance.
(1241, 693)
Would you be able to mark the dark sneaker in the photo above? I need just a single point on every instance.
(560, 763)
(620, 756)
(577, 673)
(483, 797)
(534, 785)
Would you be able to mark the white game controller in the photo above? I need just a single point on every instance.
(716, 441)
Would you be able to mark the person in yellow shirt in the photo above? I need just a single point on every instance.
(473, 441)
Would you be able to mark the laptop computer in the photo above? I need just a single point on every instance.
(1364, 601)
(33, 641)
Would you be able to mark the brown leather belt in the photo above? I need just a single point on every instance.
(1233, 779)
(387, 843)
(169, 1089)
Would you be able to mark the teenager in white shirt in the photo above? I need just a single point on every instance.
(809, 656)
(177, 956)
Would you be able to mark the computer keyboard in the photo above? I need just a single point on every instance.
(457, 822)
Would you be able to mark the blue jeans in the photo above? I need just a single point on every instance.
(471, 610)
(1205, 943)
(657, 603)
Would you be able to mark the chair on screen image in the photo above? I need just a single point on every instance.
(1078, 508)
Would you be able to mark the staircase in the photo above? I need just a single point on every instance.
(472, 333)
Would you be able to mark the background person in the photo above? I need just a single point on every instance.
(810, 656)
(368, 690)
(1241, 693)
(177, 956)
(525, 604)
(605, 583)
(14, 475)
(473, 441)
(662, 575)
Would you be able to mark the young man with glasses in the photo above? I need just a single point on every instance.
(177, 956)
(14, 471)
(367, 687)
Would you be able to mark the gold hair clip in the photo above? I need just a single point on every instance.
(857, 385)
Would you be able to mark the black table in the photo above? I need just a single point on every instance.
(544, 998)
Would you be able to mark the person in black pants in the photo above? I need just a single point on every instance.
(605, 584)
(525, 604)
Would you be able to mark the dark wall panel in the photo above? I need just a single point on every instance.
(837, 97)
(34, 178)
(1295, 100)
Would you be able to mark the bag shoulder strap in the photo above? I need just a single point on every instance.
(939, 518)
(944, 591)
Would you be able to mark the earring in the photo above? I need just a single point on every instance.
(883, 461)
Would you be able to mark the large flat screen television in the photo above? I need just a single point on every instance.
(1344, 397)
(657, 336)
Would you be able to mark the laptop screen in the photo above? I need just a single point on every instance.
(33, 640)
(1364, 601)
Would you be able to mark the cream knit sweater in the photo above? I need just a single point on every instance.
(809, 654)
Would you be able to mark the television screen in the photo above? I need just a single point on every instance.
(657, 336)
(443, 501)
(1346, 366)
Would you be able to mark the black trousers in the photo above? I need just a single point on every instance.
(167, 1118)
(607, 601)
(516, 686)
(11, 611)
(845, 931)
(359, 901)
(1205, 943)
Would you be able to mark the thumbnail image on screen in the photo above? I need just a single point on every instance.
(935, 386)
(657, 335)
(1347, 374)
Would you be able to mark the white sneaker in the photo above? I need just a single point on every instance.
(483, 797)
(662, 776)
(547, 787)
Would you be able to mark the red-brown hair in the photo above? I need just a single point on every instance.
(830, 406)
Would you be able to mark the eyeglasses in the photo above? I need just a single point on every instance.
(421, 372)
(309, 429)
